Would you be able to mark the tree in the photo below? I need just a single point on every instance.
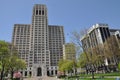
(112, 51)
(66, 65)
(119, 66)
(4, 54)
(15, 64)
(76, 36)
(97, 58)
(60, 64)
(9, 60)
(82, 60)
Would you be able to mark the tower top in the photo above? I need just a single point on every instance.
(39, 5)
(40, 9)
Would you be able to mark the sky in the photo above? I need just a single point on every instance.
(74, 15)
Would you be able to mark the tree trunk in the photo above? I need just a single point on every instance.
(92, 72)
(12, 72)
(86, 69)
(1, 78)
(2, 73)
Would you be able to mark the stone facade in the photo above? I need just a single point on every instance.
(39, 44)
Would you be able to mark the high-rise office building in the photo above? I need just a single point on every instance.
(38, 44)
(96, 37)
(69, 52)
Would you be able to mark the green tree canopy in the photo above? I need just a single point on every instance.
(82, 61)
(9, 60)
(4, 55)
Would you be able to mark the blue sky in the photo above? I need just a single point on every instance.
(72, 14)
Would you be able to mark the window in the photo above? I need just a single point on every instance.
(42, 12)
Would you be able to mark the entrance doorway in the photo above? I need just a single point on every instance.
(39, 71)
(48, 74)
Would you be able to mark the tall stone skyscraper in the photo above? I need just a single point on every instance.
(38, 44)
(39, 38)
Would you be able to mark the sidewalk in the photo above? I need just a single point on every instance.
(42, 78)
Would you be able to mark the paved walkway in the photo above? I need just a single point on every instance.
(42, 78)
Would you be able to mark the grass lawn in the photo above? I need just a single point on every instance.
(98, 79)
(102, 76)
(90, 79)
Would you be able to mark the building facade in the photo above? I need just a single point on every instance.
(39, 44)
(69, 52)
(97, 34)
(21, 37)
(116, 33)
(96, 37)
(56, 41)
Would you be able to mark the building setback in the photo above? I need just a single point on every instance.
(21, 39)
(39, 44)
(56, 41)
(116, 33)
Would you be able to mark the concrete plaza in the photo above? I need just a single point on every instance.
(42, 78)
